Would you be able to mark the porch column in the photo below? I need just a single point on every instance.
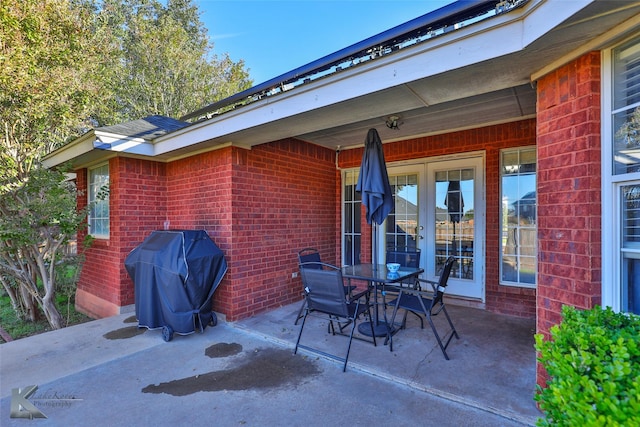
(569, 191)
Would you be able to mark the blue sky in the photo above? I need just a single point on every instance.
(274, 36)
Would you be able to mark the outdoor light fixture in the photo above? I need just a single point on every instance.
(392, 122)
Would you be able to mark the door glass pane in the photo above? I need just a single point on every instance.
(454, 218)
(402, 222)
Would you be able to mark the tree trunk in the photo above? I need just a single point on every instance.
(29, 304)
(15, 303)
(52, 314)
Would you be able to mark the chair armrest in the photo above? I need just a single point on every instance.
(411, 283)
(359, 295)
(433, 283)
(417, 292)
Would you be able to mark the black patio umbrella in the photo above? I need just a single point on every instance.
(373, 184)
(455, 205)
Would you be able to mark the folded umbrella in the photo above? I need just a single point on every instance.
(373, 181)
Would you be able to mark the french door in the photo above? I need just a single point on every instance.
(455, 223)
(439, 208)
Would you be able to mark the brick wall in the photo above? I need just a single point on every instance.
(491, 139)
(200, 197)
(569, 189)
(283, 200)
(260, 206)
(137, 204)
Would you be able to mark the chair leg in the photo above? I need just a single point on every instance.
(453, 328)
(417, 315)
(304, 319)
(404, 320)
(300, 315)
(346, 359)
(403, 325)
(373, 333)
(454, 332)
(435, 332)
(389, 337)
(330, 328)
(342, 325)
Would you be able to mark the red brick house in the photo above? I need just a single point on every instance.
(528, 105)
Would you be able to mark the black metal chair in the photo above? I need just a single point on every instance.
(428, 304)
(307, 255)
(407, 257)
(311, 257)
(325, 298)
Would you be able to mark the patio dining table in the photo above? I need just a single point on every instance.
(377, 276)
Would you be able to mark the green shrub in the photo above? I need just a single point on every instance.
(593, 362)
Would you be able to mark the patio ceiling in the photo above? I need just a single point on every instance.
(498, 90)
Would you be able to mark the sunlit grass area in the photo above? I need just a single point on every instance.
(17, 328)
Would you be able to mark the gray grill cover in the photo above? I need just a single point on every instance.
(175, 274)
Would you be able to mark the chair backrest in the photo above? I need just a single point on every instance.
(324, 288)
(310, 255)
(404, 255)
(442, 281)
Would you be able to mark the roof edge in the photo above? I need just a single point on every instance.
(448, 15)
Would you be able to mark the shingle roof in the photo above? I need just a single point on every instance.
(147, 128)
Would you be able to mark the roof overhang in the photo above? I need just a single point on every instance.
(475, 76)
(95, 146)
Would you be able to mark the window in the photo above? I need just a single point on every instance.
(630, 229)
(99, 201)
(351, 208)
(625, 114)
(518, 213)
(621, 177)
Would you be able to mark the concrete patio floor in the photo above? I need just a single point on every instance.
(492, 365)
(109, 372)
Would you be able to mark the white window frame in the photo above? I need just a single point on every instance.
(93, 189)
(349, 176)
(612, 292)
(507, 283)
